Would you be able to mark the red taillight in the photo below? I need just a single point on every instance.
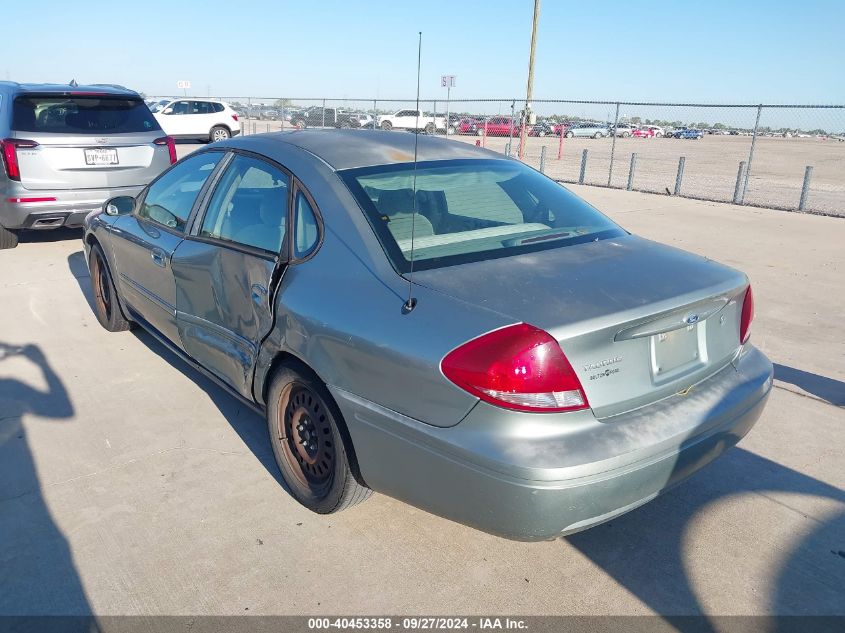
(171, 146)
(235, 117)
(9, 150)
(517, 367)
(746, 317)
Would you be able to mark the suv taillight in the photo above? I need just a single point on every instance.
(9, 151)
(171, 146)
(517, 367)
(235, 117)
(746, 316)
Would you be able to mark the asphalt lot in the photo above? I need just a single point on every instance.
(129, 484)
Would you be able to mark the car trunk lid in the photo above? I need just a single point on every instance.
(637, 320)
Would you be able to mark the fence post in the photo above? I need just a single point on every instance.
(613, 144)
(560, 144)
(484, 136)
(543, 159)
(750, 155)
(738, 187)
(268, 128)
(680, 178)
(631, 170)
(508, 148)
(375, 115)
(324, 113)
(583, 168)
(805, 188)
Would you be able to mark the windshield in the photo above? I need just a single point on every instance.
(470, 210)
(81, 114)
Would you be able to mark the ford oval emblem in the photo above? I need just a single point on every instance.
(693, 318)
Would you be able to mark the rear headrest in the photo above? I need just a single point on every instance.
(394, 201)
(273, 206)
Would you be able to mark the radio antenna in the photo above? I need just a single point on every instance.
(411, 303)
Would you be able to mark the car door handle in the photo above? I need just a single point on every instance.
(158, 257)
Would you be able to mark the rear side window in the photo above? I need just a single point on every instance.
(81, 115)
(218, 107)
(249, 206)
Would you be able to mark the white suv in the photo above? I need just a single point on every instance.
(197, 119)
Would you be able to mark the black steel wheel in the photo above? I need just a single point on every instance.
(310, 450)
(106, 306)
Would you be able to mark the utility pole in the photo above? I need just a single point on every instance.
(529, 92)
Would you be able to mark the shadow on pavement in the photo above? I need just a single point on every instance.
(37, 572)
(828, 389)
(53, 235)
(645, 552)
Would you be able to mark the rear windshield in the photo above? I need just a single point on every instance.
(81, 115)
(470, 210)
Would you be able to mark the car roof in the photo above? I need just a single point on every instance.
(349, 149)
(67, 89)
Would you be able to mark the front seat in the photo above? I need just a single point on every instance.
(398, 206)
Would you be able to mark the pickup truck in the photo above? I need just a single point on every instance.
(412, 120)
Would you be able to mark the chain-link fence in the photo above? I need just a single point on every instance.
(781, 156)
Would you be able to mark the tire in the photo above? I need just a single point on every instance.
(346, 125)
(219, 133)
(386, 126)
(450, 131)
(597, 135)
(569, 135)
(480, 131)
(299, 124)
(626, 134)
(8, 238)
(541, 133)
(304, 426)
(106, 305)
(429, 128)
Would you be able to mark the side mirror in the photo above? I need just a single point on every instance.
(120, 205)
(167, 111)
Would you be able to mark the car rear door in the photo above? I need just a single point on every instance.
(144, 242)
(228, 267)
(86, 141)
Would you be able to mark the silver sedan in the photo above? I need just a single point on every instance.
(458, 332)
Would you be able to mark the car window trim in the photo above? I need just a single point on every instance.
(283, 257)
(318, 217)
(139, 201)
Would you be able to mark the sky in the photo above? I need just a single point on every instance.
(715, 51)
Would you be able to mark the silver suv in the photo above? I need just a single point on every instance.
(66, 149)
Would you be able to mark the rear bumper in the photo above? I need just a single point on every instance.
(68, 209)
(540, 481)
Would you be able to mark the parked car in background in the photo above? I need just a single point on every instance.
(498, 126)
(688, 133)
(467, 125)
(541, 128)
(361, 119)
(643, 132)
(593, 130)
(659, 132)
(624, 130)
(412, 120)
(550, 371)
(198, 119)
(66, 149)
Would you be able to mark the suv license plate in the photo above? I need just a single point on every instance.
(100, 156)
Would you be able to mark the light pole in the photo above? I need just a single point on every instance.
(529, 91)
